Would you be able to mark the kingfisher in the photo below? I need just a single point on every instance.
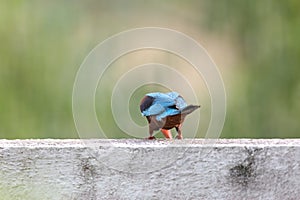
(165, 111)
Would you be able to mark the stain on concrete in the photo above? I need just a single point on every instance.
(244, 172)
(87, 174)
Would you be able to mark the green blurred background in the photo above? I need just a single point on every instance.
(255, 44)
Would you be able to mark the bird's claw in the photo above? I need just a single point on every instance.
(179, 137)
(151, 138)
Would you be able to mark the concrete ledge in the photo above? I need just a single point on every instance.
(142, 169)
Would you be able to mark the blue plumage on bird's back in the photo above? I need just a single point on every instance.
(165, 105)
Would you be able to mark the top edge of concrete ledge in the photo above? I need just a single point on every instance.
(64, 143)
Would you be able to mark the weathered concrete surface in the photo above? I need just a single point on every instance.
(141, 169)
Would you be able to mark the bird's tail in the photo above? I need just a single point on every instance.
(189, 109)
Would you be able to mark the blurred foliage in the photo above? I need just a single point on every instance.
(267, 102)
(43, 43)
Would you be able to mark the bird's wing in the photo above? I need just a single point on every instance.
(180, 103)
(167, 112)
(172, 95)
(162, 99)
(154, 109)
(165, 105)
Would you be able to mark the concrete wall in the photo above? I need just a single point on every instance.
(142, 169)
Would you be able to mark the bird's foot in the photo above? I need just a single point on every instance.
(151, 138)
(179, 137)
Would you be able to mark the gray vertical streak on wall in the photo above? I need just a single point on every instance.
(141, 169)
